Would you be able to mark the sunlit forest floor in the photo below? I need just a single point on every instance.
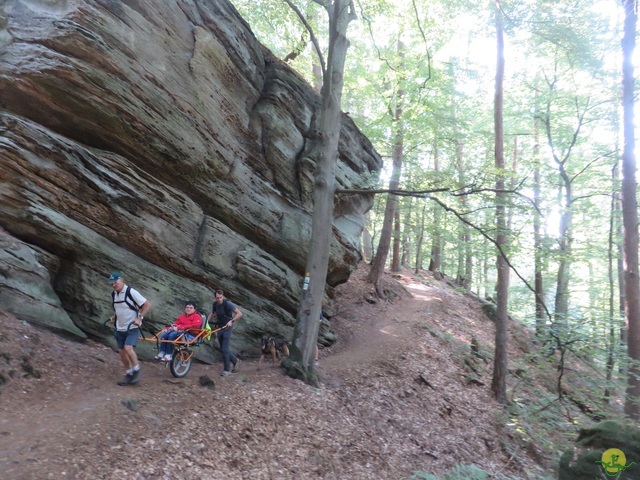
(404, 395)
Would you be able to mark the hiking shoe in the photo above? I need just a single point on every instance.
(225, 374)
(235, 366)
(126, 380)
(167, 358)
(135, 377)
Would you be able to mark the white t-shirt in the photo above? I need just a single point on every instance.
(124, 315)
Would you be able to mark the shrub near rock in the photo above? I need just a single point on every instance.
(581, 462)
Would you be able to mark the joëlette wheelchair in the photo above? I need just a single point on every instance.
(183, 345)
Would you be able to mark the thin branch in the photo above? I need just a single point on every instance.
(460, 216)
(373, 38)
(579, 126)
(581, 171)
(497, 245)
(314, 40)
(424, 39)
(591, 195)
(400, 193)
(463, 191)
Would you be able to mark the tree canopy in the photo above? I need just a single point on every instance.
(562, 144)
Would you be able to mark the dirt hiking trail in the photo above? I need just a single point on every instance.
(396, 398)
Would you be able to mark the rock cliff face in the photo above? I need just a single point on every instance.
(162, 140)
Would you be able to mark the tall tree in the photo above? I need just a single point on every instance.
(435, 259)
(325, 152)
(420, 239)
(396, 260)
(630, 212)
(611, 251)
(464, 236)
(499, 380)
(537, 237)
(622, 341)
(563, 150)
(380, 258)
(407, 231)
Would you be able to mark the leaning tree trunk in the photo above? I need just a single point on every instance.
(380, 258)
(305, 334)
(630, 214)
(499, 380)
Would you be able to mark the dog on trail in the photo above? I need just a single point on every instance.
(276, 347)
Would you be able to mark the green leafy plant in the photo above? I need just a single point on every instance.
(468, 472)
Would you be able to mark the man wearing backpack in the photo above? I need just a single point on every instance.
(226, 313)
(129, 309)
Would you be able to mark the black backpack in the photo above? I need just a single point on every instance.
(128, 299)
(228, 313)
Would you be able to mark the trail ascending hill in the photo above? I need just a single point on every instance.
(397, 397)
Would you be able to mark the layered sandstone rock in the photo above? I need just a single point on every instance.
(162, 140)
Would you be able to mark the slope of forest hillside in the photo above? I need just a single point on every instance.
(402, 396)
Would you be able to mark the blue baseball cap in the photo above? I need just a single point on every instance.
(115, 276)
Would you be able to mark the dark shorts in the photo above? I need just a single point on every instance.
(127, 338)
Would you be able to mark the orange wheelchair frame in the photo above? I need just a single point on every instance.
(183, 352)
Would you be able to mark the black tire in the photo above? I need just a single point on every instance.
(178, 365)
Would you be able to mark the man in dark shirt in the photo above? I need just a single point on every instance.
(226, 313)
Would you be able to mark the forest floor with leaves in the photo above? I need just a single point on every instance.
(401, 394)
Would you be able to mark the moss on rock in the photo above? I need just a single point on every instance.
(582, 462)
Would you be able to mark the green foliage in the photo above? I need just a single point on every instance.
(581, 462)
(489, 309)
(559, 71)
(468, 472)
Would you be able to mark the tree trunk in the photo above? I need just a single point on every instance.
(622, 345)
(565, 193)
(611, 337)
(630, 214)
(499, 380)
(397, 239)
(407, 231)
(561, 311)
(380, 258)
(462, 205)
(487, 285)
(468, 261)
(537, 238)
(316, 68)
(420, 239)
(305, 334)
(435, 263)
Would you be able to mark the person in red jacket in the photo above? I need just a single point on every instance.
(184, 324)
